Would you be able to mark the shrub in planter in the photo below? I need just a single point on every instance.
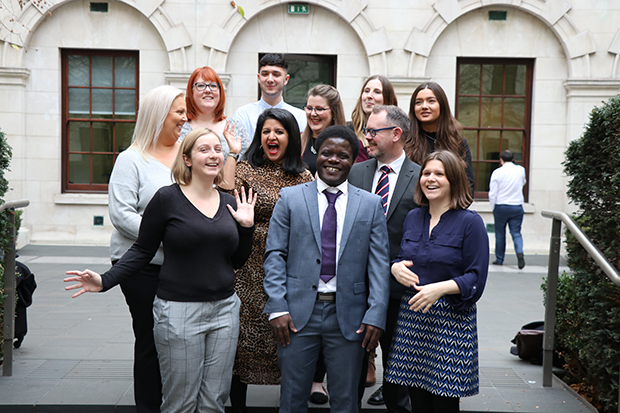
(588, 311)
(5, 160)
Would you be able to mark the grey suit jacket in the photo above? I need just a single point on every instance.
(401, 203)
(293, 259)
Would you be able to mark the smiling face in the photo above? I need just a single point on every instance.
(427, 110)
(318, 122)
(334, 160)
(207, 100)
(383, 146)
(206, 158)
(435, 184)
(274, 140)
(174, 121)
(272, 80)
(372, 95)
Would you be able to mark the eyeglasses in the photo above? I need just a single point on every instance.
(201, 86)
(373, 132)
(319, 111)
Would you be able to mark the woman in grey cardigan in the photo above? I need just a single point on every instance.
(138, 173)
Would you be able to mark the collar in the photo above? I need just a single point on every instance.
(266, 105)
(321, 186)
(396, 165)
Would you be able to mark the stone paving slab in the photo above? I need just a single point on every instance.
(77, 355)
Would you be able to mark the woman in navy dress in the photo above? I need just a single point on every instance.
(443, 262)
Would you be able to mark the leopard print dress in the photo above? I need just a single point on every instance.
(256, 361)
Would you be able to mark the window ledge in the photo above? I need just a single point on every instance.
(81, 199)
(485, 206)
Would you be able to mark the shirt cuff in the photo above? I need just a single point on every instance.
(276, 315)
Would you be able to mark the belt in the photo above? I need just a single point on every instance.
(326, 297)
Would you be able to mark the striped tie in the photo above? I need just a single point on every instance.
(383, 186)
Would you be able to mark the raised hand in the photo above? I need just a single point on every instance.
(244, 214)
(89, 282)
(234, 142)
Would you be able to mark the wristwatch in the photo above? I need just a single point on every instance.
(234, 155)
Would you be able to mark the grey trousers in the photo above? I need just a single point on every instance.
(196, 344)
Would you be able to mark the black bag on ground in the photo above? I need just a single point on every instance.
(529, 344)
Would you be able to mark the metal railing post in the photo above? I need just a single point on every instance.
(551, 301)
(8, 332)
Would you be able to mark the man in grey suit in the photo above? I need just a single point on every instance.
(326, 291)
(386, 129)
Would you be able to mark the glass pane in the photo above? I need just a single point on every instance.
(79, 136)
(79, 103)
(102, 137)
(124, 71)
(484, 175)
(489, 145)
(471, 136)
(125, 104)
(78, 70)
(102, 71)
(124, 132)
(491, 113)
(514, 112)
(304, 76)
(468, 111)
(102, 103)
(79, 169)
(492, 79)
(513, 141)
(469, 79)
(515, 79)
(102, 168)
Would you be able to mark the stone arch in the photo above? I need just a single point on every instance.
(174, 35)
(377, 42)
(577, 45)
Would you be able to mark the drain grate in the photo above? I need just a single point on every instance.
(501, 377)
(83, 370)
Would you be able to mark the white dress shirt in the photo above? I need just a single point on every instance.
(392, 176)
(248, 114)
(507, 184)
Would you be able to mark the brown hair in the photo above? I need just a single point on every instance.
(331, 95)
(359, 117)
(454, 168)
(181, 173)
(208, 75)
(448, 130)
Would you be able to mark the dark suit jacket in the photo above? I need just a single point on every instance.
(401, 203)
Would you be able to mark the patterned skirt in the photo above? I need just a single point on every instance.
(436, 351)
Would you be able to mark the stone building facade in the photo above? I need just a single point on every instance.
(570, 49)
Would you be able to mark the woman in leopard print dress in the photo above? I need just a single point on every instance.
(272, 162)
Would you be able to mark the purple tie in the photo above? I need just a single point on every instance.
(383, 187)
(328, 238)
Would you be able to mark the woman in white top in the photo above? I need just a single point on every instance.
(138, 173)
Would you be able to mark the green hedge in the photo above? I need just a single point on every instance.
(5, 160)
(588, 311)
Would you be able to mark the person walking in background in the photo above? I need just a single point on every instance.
(323, 108)
(272, 77)
(433, 128)
(205, 101)
(443, 263)
(206, 234)
(393, 176)
(377, 90)
(326, 263)
(138, 173)
(272, 162)
(506, 199)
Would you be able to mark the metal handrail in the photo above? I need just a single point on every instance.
(9, 288)
(552, 281)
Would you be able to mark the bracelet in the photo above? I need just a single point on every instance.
(235, 156)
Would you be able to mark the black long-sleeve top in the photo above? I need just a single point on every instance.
(200, 253)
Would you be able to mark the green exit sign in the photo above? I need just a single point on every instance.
(298, 9)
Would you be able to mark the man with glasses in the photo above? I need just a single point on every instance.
(272, 77)
(392, 176)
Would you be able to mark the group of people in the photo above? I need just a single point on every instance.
(280, 245)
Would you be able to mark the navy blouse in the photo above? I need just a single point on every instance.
(457, 249)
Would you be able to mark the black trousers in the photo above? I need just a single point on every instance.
(423, 401)
(139, 291)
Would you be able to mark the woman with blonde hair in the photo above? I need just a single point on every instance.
(323, 108)
(377, 90)
(138, 173)
(206, 235)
